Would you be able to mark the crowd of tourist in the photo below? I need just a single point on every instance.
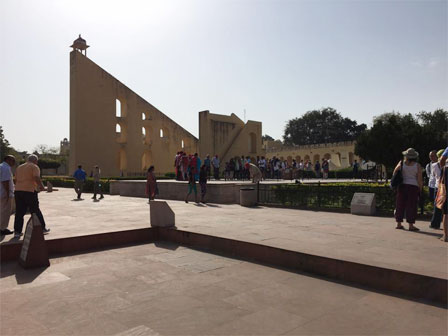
(237, 168)
(189, 167)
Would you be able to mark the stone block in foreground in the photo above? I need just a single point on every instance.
(161, 214)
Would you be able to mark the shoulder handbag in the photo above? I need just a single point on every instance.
(441, 191)
(397, 178)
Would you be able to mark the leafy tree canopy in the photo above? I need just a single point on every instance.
(321, 126)
(267, 138)
(5, 148)
(392, 133)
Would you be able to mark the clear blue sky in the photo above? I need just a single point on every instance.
(276, 59)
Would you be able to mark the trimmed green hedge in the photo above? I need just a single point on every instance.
(332, 195)
(67, 182)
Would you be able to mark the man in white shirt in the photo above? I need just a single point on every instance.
(6, 193)
(431, 178)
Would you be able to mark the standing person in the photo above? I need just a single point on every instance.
(325, 168)
(215, 164)
(197, 168)
(301, 168)
(431, 178)
(232, 168)
(6, 193)
(28, 184)
(317, 169)
(184, 160)
(97, 183)
(409, 190)
(262, 166)
(203, 182)
(444, 207)
(80, 178)
(355, 169)
(207, 164)
(436, 173)
(237, 168)
(177, 164)
(151, 184)
(192, 187)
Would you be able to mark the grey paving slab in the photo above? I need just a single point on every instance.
(368, 240)
(87, 295)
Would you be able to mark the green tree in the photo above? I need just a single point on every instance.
(321, 126)
(392, 133)
(5, 148)
(267, 137)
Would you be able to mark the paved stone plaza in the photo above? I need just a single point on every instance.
(165, 289)
(368, 240)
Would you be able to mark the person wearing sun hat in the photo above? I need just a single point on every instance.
(409, 191)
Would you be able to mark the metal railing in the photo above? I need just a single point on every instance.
(321, 196)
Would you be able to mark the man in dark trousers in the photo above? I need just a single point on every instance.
(80, 178)
(28, 184)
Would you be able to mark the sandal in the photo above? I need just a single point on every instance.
(414, 229)
(401, 227)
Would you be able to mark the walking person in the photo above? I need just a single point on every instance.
(408, 192)
(28, 184)
(192, 187)
(203, 182)
(207, 164)
(80, 177)
(97, 183)
(151, 184)
(6, 193)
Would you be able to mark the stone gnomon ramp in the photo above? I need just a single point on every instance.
(361, 250)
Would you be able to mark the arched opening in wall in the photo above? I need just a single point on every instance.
(327, 156)
(143, 116)
(252, 143)
(282, 158)
(337, 159)
(306, 157)
(298, 158)
(351, 157)
(143, 133)
(164, 133)
(316, 157)
(146, 160)
(118, 112)
(289, 159)
(121, 133)
(182, 144)
(122, 161)
(146, 135)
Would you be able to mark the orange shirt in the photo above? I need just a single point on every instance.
(25, 177)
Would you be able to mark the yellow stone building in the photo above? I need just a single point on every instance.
(113, 127)
(340, 154)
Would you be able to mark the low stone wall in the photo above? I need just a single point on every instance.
(220, 193)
